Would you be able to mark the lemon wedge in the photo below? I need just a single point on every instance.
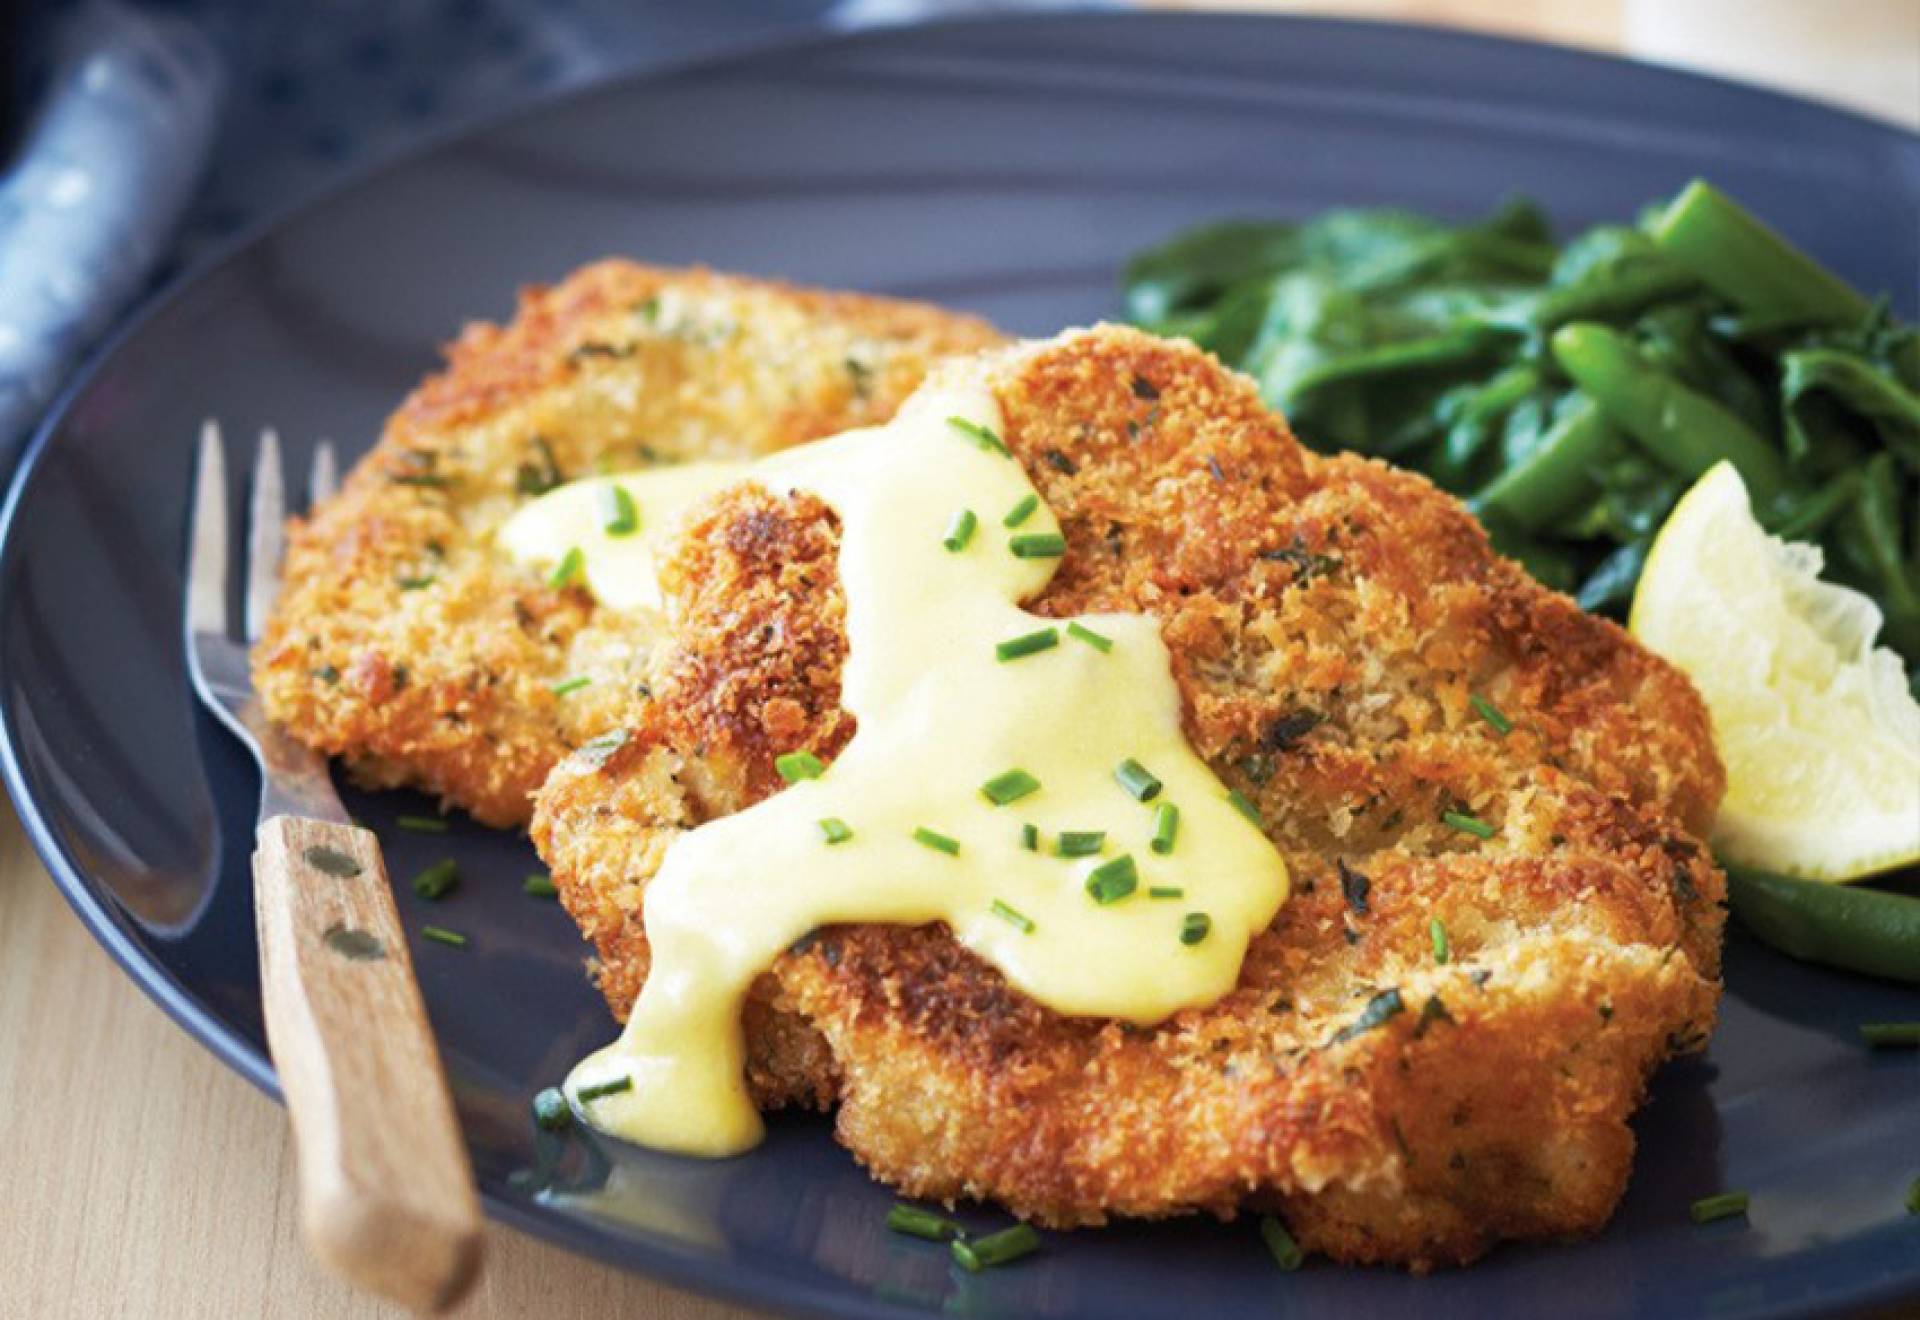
(1816, 725)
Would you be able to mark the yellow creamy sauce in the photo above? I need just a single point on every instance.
(940, 714)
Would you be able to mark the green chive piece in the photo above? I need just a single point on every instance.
(1913, 1198)
(1468, 823)
(1030, 837)
(421, 824)
(1010, 786)
(1112, 881)
(1098, 641)
(1139, 782)
(414, 583)
(1012, 916)
(922, 1223)
(795, 766)
(1194, 927)
(1022, 511)
(613, 1086)
(441, 935)
(835, 829)
(566, 685)
(1079, 843)
(437, 880)
(1491, 714)
(551, 1110)
(619, 516)
(1241, 803)
(980, 435)
(331, 861)
(1286, 1252)
(425, 480)
(1166, 891)
(1442, 949)
(996, 1248)
(539, 886)
(1037, 545)
(937, 841)
(567, 572)
(1884, 1035)
(960, 530)
(1027, 644)
(1166, 827)
(1724, 1206)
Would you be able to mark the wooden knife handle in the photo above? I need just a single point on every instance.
(386, 1190)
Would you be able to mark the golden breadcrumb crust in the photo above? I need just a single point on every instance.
(1330, 620)
(406, 645)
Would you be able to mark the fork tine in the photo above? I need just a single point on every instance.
(265, 531)
(325, 477)
(207, 558)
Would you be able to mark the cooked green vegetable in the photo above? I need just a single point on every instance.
(1863, 930)
(1571, 393)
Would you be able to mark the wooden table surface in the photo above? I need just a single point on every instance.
(139, 1177)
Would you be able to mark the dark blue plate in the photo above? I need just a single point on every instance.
(1007, 167)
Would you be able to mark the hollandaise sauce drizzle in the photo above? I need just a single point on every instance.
(1011, 775)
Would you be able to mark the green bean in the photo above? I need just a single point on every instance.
(1854, 385)
(1862, 930)
(1804, 517)
(1456, 348)
(1609, 294)
(1683, 429)
(1552, 481)
(1877, 509)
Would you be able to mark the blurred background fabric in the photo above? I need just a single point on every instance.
(140, 136)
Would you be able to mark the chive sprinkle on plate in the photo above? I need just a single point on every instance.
(996, 1248)
(561, 687)
(1009, 786)
(1491, 714)
(937, 841)
(1241, 803)
(1467, 823)
(441, 935)
(835, 830)
(960, 530)
(437, 880)
(1027, 644)
(539, 885)
(1013, 916)
(618, 514)
(1442, 949)
(1079, 843)
(421, 824)
(1724, 1206)
(1030, 837)
(1166, 827)
(1098, 641)
(1166, 891)
(1037, 545)
(1137, 780)
(920, 1223)
(795, 766)
(1195, 927)
(1890, 1035)
(1022, 511)
(613, 1086)
(1112, 881)
(569, 570)
(1285, 1251)
(982, 436)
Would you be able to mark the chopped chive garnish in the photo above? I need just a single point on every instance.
(1037, 545)
(568, 570)
(1913, 1197)
(539, 885)
(1013, 916)
(1491, 714)
(1112, 881)
(1030, 837)
(996, 1248)
(1468, 823)
(613, 1086)
(1881, 1035)
(1011, 786)
(960, 530)
(441, 935)
(551, 1110)
(1166, 891)
(428, 480)
(421, 824)
(835, 830)
(1079, 843)
(1022, 511)
(1137, 780)
(1166, 827)
(1286, 1252)
(937, 841)
(1241, 803)
(795, 766)
(1724, 1206)
(1015, 647)
(1194, 927)
(1098, 641)
(438, 879)
(618, 514)
(415, 583)
(922, 1223)
(980, 435)
(1442, 948)
(561, 687)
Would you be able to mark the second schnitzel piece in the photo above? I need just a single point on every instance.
(406, 644)
(1489, 803)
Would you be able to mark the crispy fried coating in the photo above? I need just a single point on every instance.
(406, 645)
(1330, 620)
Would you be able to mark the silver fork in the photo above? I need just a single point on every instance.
(386, 1190)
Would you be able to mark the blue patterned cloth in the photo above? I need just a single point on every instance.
(156, 131)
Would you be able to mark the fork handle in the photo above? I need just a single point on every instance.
(386, 1190)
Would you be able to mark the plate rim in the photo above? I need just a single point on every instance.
(99, 915)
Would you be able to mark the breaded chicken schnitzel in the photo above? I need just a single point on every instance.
(406, 645)
(1430, 737)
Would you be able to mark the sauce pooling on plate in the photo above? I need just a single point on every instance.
(1023, 779)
